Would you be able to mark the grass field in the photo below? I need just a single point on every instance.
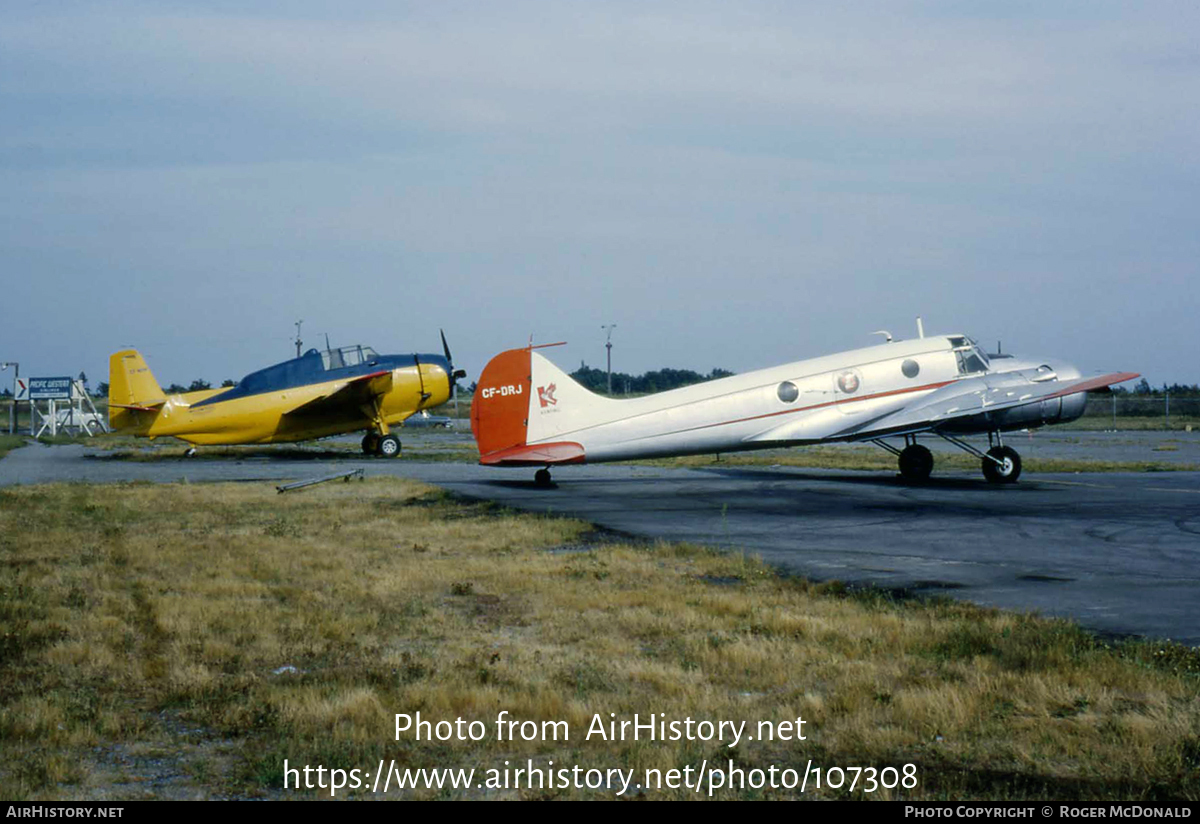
(9, 443)
(180, 641)
(1132, 423)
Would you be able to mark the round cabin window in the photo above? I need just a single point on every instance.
(788, 392)
(848, 382)
(910, 368)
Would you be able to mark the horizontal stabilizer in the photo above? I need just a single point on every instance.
(144, 406)
(543, 454)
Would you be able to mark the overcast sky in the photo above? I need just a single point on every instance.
(732, 184)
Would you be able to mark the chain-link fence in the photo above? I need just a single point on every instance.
(1141, 412)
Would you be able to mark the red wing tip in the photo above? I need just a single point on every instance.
(1111, 378)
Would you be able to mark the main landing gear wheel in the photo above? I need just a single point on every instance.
(916, 462)
(389, 446)
(542, 477)
(370, 443)
(1007, 470)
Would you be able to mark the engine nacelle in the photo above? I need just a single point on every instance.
(1028, 416)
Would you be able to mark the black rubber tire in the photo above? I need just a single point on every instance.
(542, 477)
(370, 443)
(1002, 475)
(389, 446)
(916, 463)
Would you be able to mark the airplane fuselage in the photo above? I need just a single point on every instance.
(797, 403)
(282, 403)
(205, 418)
(527, 412)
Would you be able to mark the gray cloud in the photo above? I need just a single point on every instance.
(734, 186)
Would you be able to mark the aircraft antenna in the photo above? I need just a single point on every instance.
(885, 333)
(298, 341)
(920, 328)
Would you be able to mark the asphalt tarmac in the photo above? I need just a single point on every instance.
(1119, 552)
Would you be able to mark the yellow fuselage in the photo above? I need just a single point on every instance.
(264, 418)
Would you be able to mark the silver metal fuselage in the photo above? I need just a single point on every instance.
(841, 397)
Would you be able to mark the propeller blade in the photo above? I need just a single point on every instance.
(455, 374)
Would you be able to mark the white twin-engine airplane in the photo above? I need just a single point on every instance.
(528, 412)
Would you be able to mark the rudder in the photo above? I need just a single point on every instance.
(133, 393)
(528, 412)
(500, 408)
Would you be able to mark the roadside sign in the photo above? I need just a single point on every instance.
(22, 390)
(44, 389)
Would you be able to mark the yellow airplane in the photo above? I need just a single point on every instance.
(312, 396)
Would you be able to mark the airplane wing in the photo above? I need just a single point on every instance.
(975, 396)
(350, 394)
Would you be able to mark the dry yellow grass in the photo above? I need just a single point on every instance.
(146, 630)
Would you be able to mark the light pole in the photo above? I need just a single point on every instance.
(608, 346)
(12, 410)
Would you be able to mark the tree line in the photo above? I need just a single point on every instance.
(1143, 389)
(657, 380)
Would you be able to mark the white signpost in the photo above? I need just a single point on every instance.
(64, 401)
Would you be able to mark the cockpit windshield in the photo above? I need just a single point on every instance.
(971, 358)
(347, 356)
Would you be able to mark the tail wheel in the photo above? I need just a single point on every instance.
(916, 462)
(370, 443)
(389, 446)
(542, 477)
(1007, 470)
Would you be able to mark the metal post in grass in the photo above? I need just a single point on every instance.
(1168, 410)
(12, 410)
(608, 345)
(1114, 400)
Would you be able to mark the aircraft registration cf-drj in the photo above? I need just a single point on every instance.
(527, 412)
(312, 396)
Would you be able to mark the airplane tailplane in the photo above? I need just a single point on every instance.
(529, 412)
(134, 396)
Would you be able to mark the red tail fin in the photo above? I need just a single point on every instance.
(500, 409)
